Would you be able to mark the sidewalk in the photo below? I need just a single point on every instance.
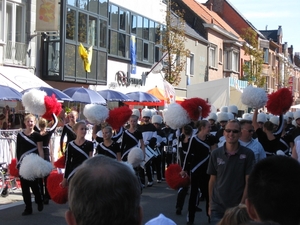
(14, 196)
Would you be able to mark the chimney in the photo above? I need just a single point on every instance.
(211, 6)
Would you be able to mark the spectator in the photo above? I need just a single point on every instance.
(235, 216)
(273, 191)
(104, 191)
(229, 168)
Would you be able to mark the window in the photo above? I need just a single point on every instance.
(123, 20)
(146, 29)
(82, 27)
(133, 24)
(190, 65)
(139, 27)
(220, 55)
(82, 4)
(113, 46)
(103, 33)
(151, 31)
(103, 7)
(266, 55)
(146, 51)
(15, 26)
(92, 31)
(231, 60)
(212, 56)
(123, 45)
(235, 61)
(114, 16)
(70, 24)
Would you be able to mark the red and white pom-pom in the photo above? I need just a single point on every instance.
(12, 167)
(280, 101)
(95, 114)
(57, 193)
(33, 166)
(52, 106)
(60, 163)
(254, 97)
(37, 102)
(174, 179)
(178, 115)
(118, 116)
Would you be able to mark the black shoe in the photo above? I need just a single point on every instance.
(40, 206)
(197, 209)
(189, 223)
(26, 212)
(178, 211)
(46, 201)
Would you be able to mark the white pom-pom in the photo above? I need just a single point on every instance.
(34, 102)
(95, 114)
(129, 166)
(254, 97)
(176, 116)
(33, 166)
(135, 156)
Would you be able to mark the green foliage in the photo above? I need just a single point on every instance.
(173, 42)
(253, 68)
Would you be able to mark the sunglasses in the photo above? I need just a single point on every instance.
(233, 131)
(250, 131)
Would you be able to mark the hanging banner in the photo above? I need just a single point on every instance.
(169, 93)
(133, 54)
(47, 15)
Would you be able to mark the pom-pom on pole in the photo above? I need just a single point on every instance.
(57, 193)
(174, 179)
(52, 106)
(12, 167)
(60, 163)
(119, 116)
(95, 114)
(280, 101)
(175, 116)
(196, 107)
(33, 101)
(254, 97)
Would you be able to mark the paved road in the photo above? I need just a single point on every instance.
(155, 200)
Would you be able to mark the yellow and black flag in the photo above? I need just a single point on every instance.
(86, 56)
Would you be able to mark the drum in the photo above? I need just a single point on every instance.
(157, 151)
(168, 149)
(149, 155)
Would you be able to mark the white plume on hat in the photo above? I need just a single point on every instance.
(146, 113)
(254, 97)
(274, 120)
(34, 102)
(233, 109)
(261, 117)
(223, 116)
(136, 112)
(33, 166)
(296, 115)
(157, 119)
(230, 116)
(95, 114)
(289, 115)
(247, 116)
(212, 116)
(160, 220)
(224, 109)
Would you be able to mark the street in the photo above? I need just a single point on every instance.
(155, 200)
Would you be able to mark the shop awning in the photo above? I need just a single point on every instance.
(19, 78)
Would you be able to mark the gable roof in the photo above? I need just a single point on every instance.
(210, 17)
(270, 34)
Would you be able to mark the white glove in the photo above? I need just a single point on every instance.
(174, 150)
(146, 142)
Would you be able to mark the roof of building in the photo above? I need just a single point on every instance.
(210, 17)
(270, 34)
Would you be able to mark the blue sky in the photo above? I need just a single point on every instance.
(272, 13)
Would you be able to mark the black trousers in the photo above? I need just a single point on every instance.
(198, 181)
(36, 189)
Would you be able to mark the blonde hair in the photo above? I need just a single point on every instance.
(43, 123)
(235, 216)
(30, 116)
(75, 127)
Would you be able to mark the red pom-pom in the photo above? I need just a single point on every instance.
(192, 107)
(60, 163)
(280, 101)
(174, 179)
(12, 167)
(118, 116)
(52, 106)
(58, 194)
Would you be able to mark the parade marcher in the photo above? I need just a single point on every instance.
(46, 134)
(229, 168)
(68, 130)
(222, 119)
(109, 147)
(161, 141)
(289, 126)
(132, 137)
(149, 136)
(28, 142)
(196, 161)
(77, 152)
(234, 110)
(212, 119)
(269, 139)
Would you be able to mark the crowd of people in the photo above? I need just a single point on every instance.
(233, 164)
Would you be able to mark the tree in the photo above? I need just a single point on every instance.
(253, 68)
(173, 42)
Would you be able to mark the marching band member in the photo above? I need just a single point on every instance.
(28, 142)
(77, 151)
(68, 130)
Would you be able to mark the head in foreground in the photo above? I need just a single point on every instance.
(273, 191)
(104, 191)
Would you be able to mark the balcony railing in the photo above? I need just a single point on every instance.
(15, 53)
